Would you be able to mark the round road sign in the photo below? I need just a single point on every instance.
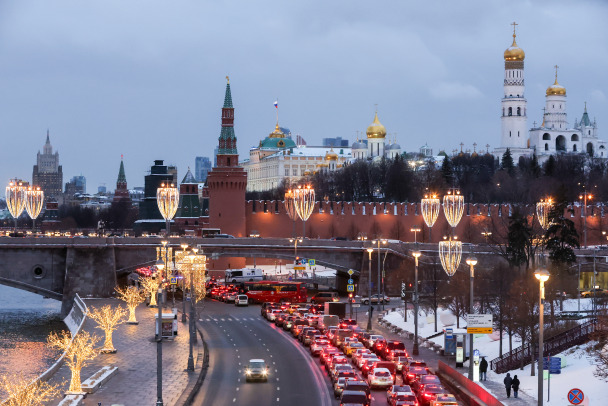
(575, 396)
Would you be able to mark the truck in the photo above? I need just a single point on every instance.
(335, 308)
(328, 321)
(243, 275)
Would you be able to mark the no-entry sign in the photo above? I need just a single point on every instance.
(576, 396)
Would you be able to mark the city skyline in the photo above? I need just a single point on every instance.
(105, 86)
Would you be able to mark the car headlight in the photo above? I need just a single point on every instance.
(264, 372)
(248, 372)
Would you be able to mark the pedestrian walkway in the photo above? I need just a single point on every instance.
(431, 358)
(135, 382)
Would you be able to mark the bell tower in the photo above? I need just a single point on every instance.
(227, 182)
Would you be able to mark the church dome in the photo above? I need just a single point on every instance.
(556, 89)
(514, 52)
(331, 155)
(358, 145)
(394, 146)
(277, 133)
(376, 130)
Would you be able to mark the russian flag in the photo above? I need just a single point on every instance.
(276, 104)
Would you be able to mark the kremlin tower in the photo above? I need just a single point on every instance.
(121, 192)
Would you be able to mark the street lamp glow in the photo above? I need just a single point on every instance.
(542, 275)
(471, 261)
(370, 250)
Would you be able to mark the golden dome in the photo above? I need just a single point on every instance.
(277, 133)
(376, 130)
(556, 89)
(331, 155)
(514, 53)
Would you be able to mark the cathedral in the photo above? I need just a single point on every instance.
(554, 135)
(376, 147)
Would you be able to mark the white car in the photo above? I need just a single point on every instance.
(256, 370)
(380, 378)
(241, 300)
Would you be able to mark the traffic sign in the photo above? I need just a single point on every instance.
(356, 304)
(552, 364)
(311, 262)
(449, 333)
(479, 330)
(403, 292)
(350, 272)
(351, 282)
(173, 280)
(576, 396)
(479, 324)
(350, 288)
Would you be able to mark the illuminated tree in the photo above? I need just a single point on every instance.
(132, 296)
(108, 318)
(78, 351)
(150, 286)
(23, 391)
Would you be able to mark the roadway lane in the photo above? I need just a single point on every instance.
(235, 335)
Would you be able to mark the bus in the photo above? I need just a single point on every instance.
(274, 291)
(243, 275)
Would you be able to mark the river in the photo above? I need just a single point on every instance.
(26, 320)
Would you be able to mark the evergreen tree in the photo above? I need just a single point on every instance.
(518, 239)
(549, 168)
(447, 171)
(534, 167)
(561, 235)
(506, 163)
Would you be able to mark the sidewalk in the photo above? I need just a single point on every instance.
(135, 381)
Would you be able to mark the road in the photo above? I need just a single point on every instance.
(234, 335)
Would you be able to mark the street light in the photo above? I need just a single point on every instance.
(295, 242)
(542, 276)
(181, 266)
(167, 199)
(15, 199)
(584, 197)
(453, 207)
(34, 199)
(304, 200)
(159, 341)
(379, 280)
(471, 262)
(290, 208)
(164, 255)
(486, 234)
(416, 255)
(543, 207)
(415, 230)
(450, 254)
(369, 288)
(430, 211)
(192, 257)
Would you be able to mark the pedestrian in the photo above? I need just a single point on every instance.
(483, 368)
(508, 382)
(515, 386)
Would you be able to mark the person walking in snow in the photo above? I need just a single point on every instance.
(483, 368)
(508, 382)
(515, 386)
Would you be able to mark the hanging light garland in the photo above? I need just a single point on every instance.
(542, 212)
(430, 209)
(453, 207)
(304, 201)
(450, 253)
(15, 198)
(34, 199)
(167, 198)
(290, 206)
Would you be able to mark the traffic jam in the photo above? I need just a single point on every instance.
(363, 367)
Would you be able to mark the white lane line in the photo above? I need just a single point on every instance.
(222, 319)
(201, 320)
(234, 400)
(236, 319)
(278, 388)
(237, 389)
(277, 399)
(277, 379)
(208, 319)
(276, 371)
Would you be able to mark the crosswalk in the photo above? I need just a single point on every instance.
(230, 319)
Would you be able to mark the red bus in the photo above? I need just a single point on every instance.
(274, 291)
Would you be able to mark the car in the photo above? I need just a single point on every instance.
(414, 363)
(241, 300)
(595, 292)
(350, 348)
(317, 346)
(383, 299)
(429, 393)
(256, 370)
(403, 399)
(351, 397)
(385, 364)
(392, 346)
(369, 343)
(413, 374)
(339, 386)
(357, 385)
(380, 378)
(323, 297)
(444, 400)
(400, 363)
(419, 384)
(231, 297)
(397, 389)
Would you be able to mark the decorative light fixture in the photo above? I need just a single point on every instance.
(290, 208)
(450, 253)
(453, 207)
(542, 212)
(304, 202)
(167, 198)
(34, 199)
(15, 199)
(430, 210)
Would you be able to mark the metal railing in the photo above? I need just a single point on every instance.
(552, 346)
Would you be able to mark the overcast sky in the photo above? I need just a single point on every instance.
(146, 78)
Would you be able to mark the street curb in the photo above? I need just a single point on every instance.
(202, 363)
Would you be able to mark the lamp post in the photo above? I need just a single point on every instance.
(584, 197)
(416, 255)
(34, 198)
(290, 208)
(430, 211)
(369, 289)
(471, 262)
(295, 242)
(415, 230)
(542, 276)
(15, 199)
(167, 199)
(486, 235)
(304, 201)
(192, 257)
(163, 255)
(378, 241)
(159, 342)
(182, 265)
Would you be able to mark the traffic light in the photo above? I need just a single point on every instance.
(350, 298)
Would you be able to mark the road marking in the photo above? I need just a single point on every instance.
(222, 319)
(233, 400)
(208, 319)
(274, 363)
(237, 389)
(277, 378)
(278, 388)
(201, 320)
(236, 319)
(276, 371)
(239, 363)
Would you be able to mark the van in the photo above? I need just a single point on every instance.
(323, 297)
(243, 275)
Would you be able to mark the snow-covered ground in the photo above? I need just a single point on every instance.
(578, 371)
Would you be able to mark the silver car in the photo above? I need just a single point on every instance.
(256, 370)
